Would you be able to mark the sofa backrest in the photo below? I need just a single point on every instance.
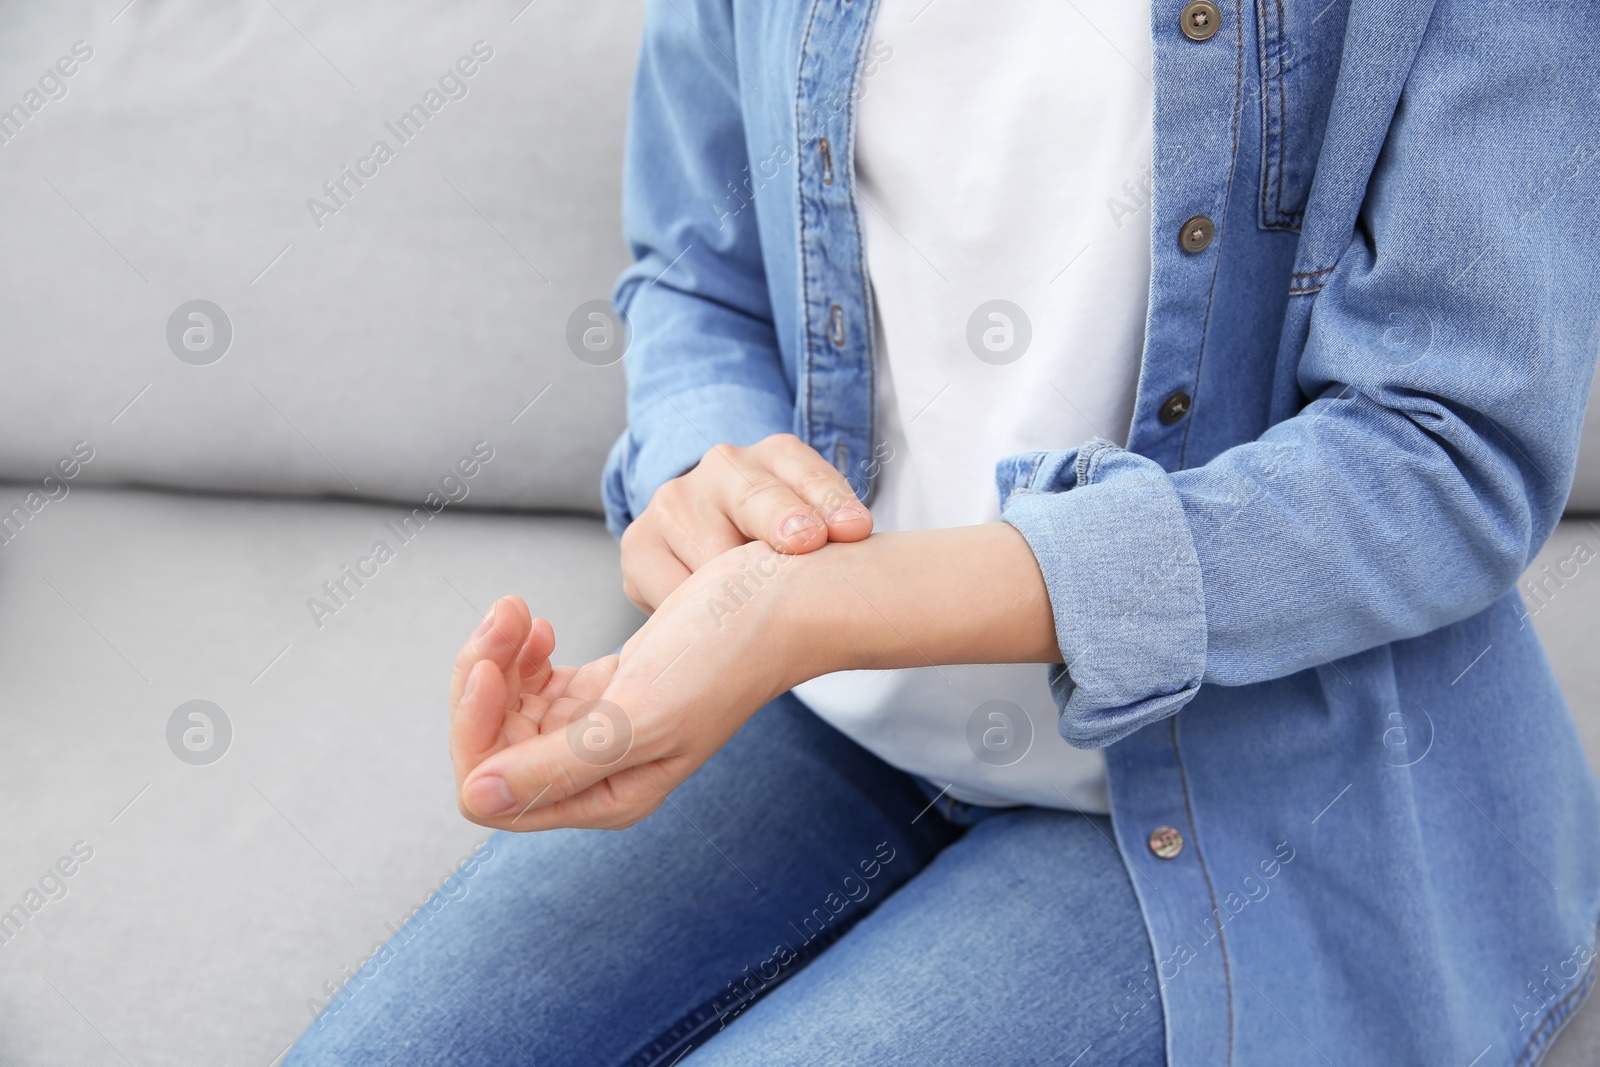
(307, 247)
(1585, 498)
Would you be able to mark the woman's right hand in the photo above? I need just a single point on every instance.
(779, 490)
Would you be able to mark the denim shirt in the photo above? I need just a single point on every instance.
(1349, 795)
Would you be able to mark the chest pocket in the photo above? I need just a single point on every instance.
(1300, 43)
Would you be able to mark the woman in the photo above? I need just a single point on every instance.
(1272, 326)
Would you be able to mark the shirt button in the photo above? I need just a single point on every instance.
(836, 326)
(1196, 234)
(1174, 408)
(1200, 20)
(1165, 842)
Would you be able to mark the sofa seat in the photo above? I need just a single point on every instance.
(217, 899)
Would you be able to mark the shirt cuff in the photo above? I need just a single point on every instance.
(1114, 544)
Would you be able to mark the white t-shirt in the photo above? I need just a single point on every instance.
(1002, 154)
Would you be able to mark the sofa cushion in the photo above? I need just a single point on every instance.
(209, 902)
(372, 329)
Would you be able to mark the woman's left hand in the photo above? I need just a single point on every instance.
(605, 744)
(538, 747)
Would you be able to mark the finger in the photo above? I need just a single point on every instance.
(476, 718)
(564, 683)
(533, 660)
(700, 539)
(498, 638)
(511, 633)
(758, 503)
(683, 527)
(768, 500)
(560, 679)
(472, 650)
(817, 483)
(589, 681)
(567, 684)
(650, 572)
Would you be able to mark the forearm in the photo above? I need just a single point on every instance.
(973, 594)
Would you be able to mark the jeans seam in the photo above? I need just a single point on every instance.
(703, 1014)
(1554, 1022)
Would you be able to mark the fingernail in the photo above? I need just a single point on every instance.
(490, 795)
(472, 685)
(798, 524)
(847, 513)
(488, 621)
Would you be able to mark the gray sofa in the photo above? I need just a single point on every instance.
(381, 355)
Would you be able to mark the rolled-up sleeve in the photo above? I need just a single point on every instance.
(1124, 583)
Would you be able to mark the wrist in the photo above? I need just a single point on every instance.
(819, 612)
(923, 598)
(775, 595)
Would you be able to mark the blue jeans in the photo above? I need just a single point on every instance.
(797, 901)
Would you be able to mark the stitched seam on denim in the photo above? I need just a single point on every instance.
(1199, 857)
(1545, 1032)
(645, 1057)
(1271, 212)
(1216, 266)
(868, 312)
(1026, 483)
(1273, 144)
(1093, 470)
(1556, 1020)
(1266, 118)
(1088, 462)
(1303, 292)
(1283, 112)
(800, 206)
(1088, 466)
(1313, 273)
(1033, 469)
